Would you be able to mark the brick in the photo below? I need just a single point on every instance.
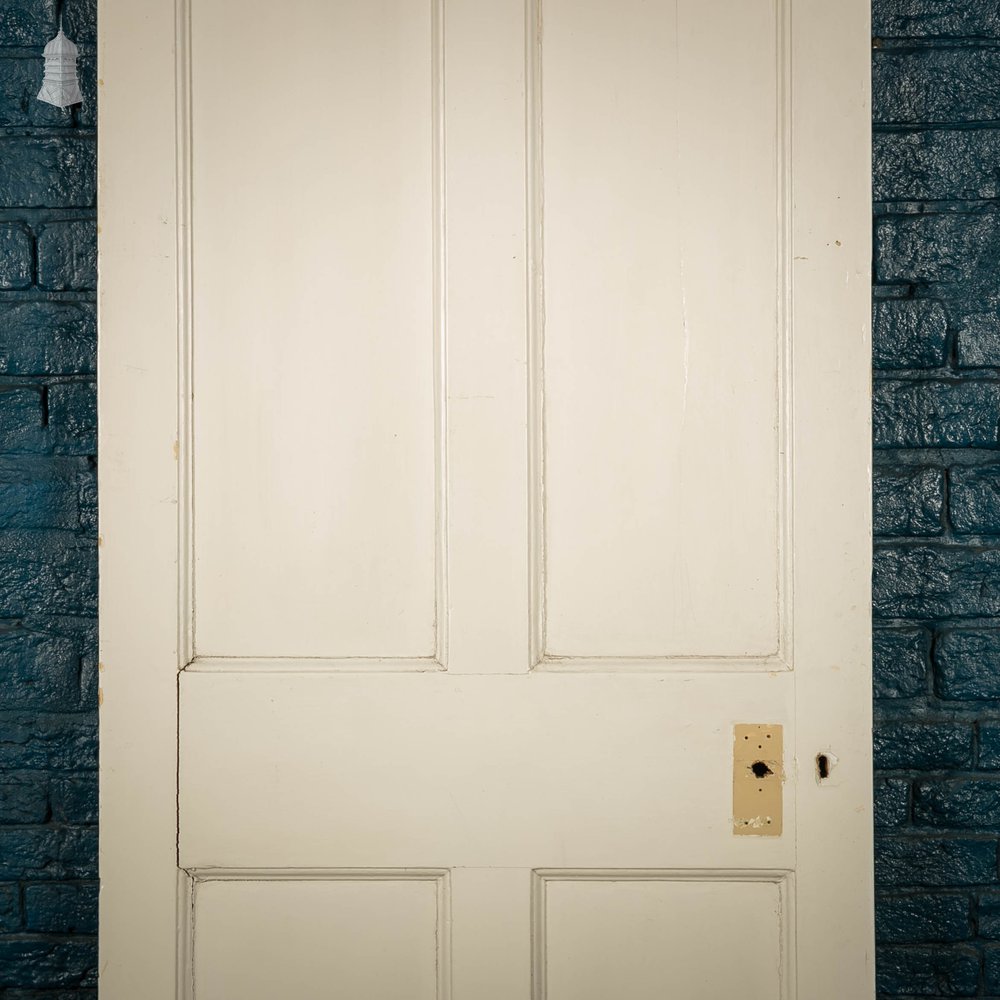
(48, 742)
(38, 672)
(908, 333)
(50, 995)
(61, 907)
(10, 908)
(945, 248)
(936, 414)
(41, 492)
(47, 852)
(977, 340)
(927, 972)
(80, 20)
(936, 165)
(991, 967)
(87, 497)
(974, 500)
(47, 572)
(921, 746)
(935, 85)
(86, 112)
(900, 662)
(935, 19)
(17, 256)
(927, 582)
(924, 861)
(892, 802)
(989, 746)
(67, 256)
(74, 799)
(988, 915)
(23, 799)
(72, 417)
(922, 919)
(907, 501)
(48, 962)
(48, 338)
(20, 80)
(967, 664)
(22, 420)
(27, 22)
(957, 804)
(54, 172)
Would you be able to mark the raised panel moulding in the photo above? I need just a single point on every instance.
(592, 928)
(659, 339)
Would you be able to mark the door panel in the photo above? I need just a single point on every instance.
(664, 251)
(483, 383)
(599, 931)
(535, 771)
(374, 935)
(314, 330)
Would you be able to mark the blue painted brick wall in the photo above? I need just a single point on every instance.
(48, 573)
(936, 109)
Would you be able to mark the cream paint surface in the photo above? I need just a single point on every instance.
(265, 938)
(535, 771)
(314, 331)
(662, 472)
(481, 442)
(598, 932)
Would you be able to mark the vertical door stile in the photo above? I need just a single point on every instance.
(484, 167)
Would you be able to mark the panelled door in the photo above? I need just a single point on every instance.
(485, 525)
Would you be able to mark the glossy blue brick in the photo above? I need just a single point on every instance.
(48, 962)
(957, 804)
(900, 662)
(935, 862)
(27, 22)
(941, 971)
(67, 256)
(933, 165)
(908, 501)
(49, 172)
(935, 19)
(908, 333)
(929, 84)
(967, 664)
(61, 907)
(920, 746)
(922, 918)
(936, 414)
(974, 500)
(929, 582)
(48, 338)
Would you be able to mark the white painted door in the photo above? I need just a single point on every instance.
(485, 526)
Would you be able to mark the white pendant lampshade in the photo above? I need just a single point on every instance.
(60, 85)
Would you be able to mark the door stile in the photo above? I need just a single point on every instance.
(831, 237)
(139, 303)
(487, 361)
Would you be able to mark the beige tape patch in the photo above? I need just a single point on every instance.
(758, 780)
